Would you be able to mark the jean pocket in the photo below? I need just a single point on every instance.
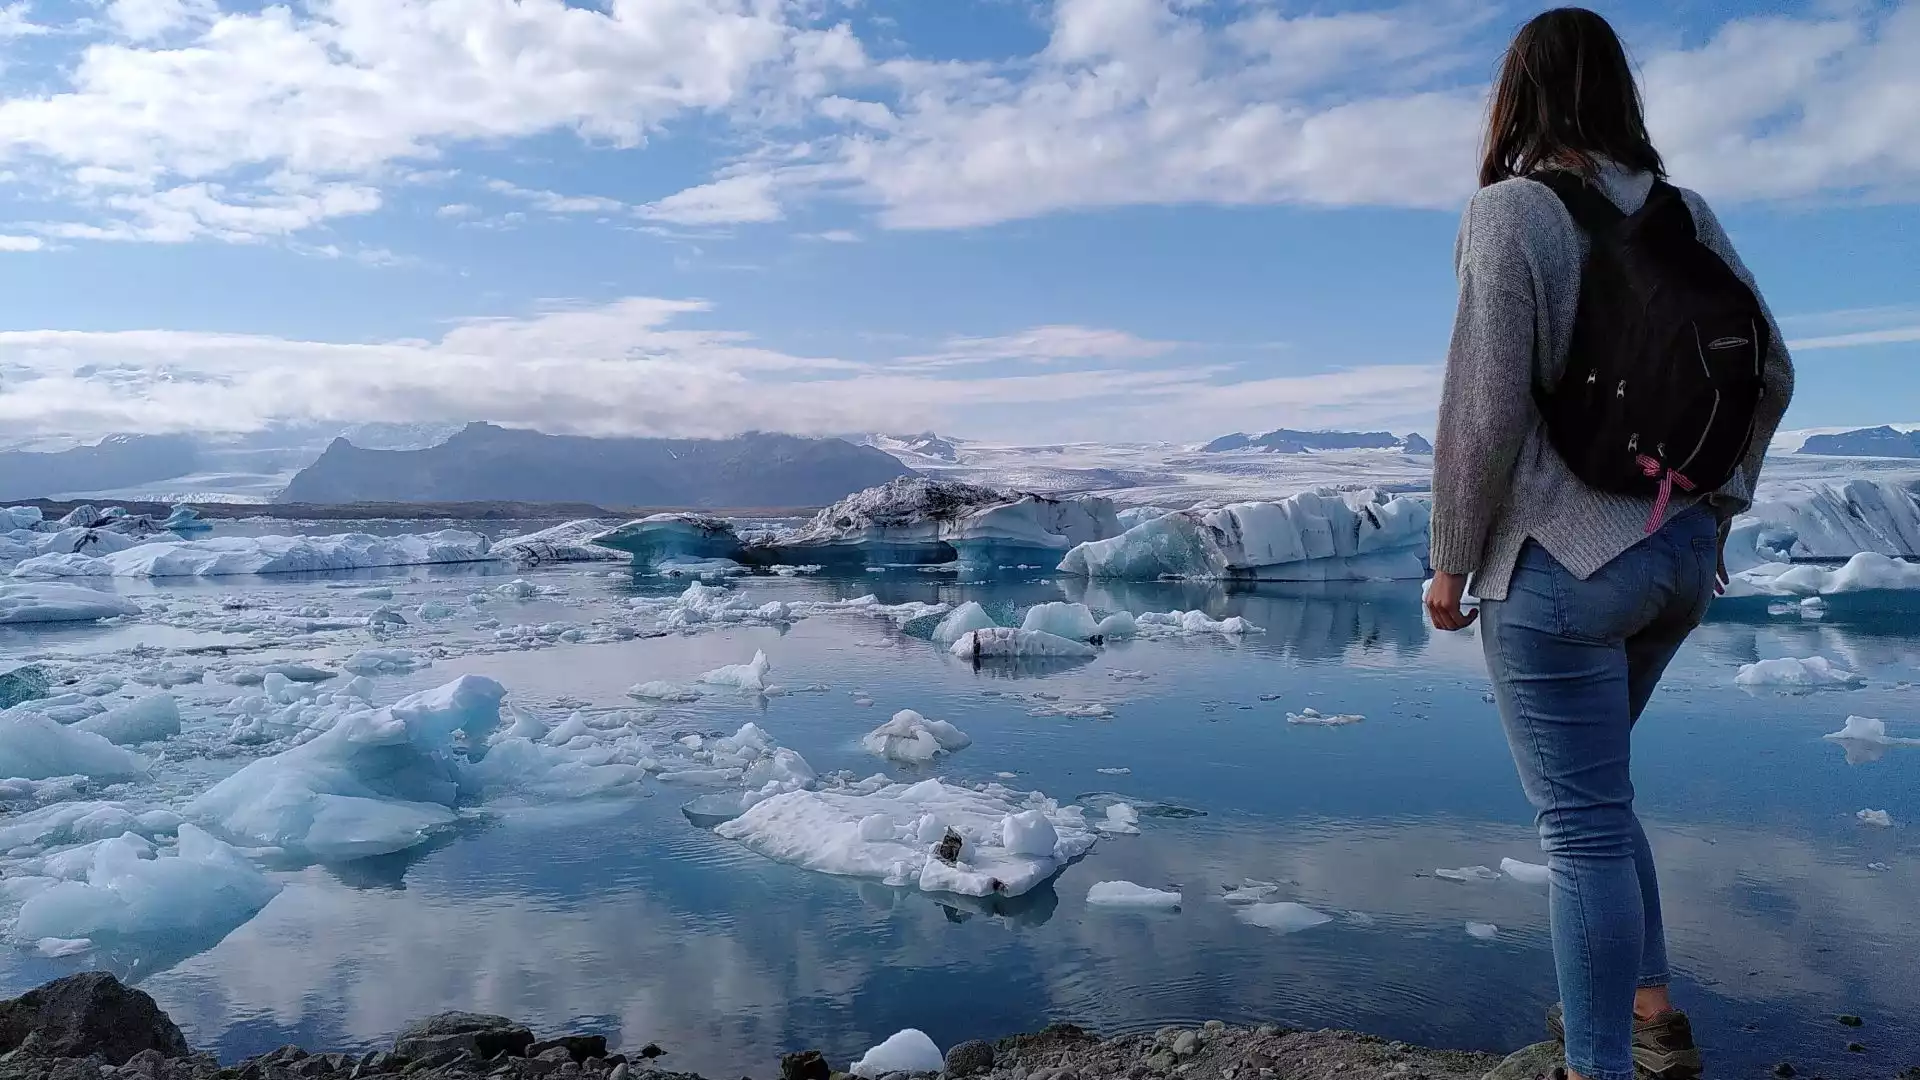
(1608, 606)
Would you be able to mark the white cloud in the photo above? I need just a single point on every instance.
(145, 20)
(1043, 344)
(1890, 336)
(555, 203)
(636, 367)
(16, 21)
(21, 243)
(733, 200)
(456, 210)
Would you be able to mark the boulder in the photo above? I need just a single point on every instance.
(578, 1047)
(805, 1065)
(1536, 1062)
(972, 1056)
(89, 1013)
(479, 1034)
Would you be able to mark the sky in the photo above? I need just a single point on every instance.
(1015, 220)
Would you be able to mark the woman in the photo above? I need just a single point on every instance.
(1585, 595)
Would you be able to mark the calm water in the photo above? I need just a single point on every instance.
(621, 916)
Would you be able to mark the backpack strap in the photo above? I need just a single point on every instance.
(1591, 210)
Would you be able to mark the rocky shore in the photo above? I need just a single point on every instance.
(92, 1027)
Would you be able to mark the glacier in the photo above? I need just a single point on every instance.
(231, 555)
(1313, 536)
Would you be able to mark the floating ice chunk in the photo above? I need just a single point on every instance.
(963, 620)
(122, 888)
(1160, 623)
(1121, 820)
(1115, 772)
(671, 536)
(376, 781)
(56, 601)
(660, 690)
(914, 739)
(1006, 643)
(1086, 710)
(1484, 931)
(1866, 729)
(149, 719)
(908, 1051)
(54, 948)
(19, 517)
(434, 611)
(1876, 817)
(33, 747)
(571, 541)
(1127, 894)
(750, 677)
(185, 519)
(1029, 833)
(1286, 916)
(1315, 718)
(1252, 892)
(79, 822)
(879, 835)
(1117, 627)
(219, 556)
(383, 662)
(1313, 536)
(1071, 621)
(1811, 673)
(1525, 873)
(1468, 873)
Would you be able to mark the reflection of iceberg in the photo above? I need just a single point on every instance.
(1865, 739)
(1313, 536)
(1311, 620)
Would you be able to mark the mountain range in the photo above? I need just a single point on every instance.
(1865, 442)
(116, 461)
(1288, 441)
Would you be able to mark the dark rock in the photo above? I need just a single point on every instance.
(445, 1056)
(1161, 1060)
(479, 1034)
(1535, 1061)
(578, 1047)
(651, 1051)
(809, 1065)
(1785, 1070)
(972, 1056)
(87, 1013)
(1856, 1048)
(148, 1062)
(555, 1054)
(1852, 1021)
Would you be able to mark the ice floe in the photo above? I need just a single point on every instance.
(1006, 643)
(125, 887)
(1285, 917)
(1525, 873)
(750, 677)
(1165, 623)
(912, 738)
(1468, 874)
(931, 835)
(1128, 895)
(961, 621)
(1864, 574)
(59, 601)
(148, 719)
(1315, 718)
(230, 555)
(1313, 536)
(1483, 931)
(1868, 730)
(908, 1051)
(572, 541)
(1792, 673)
(34, 747)
(1876, 817)
(1121, 819)
(1077, 622)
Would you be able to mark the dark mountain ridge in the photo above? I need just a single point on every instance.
(1880, 441)
(1288, 441)
(115, 461)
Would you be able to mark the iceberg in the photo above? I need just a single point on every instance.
(26, 518)
(1865, 573)
(1525, 873)
(185, 519)
(1076, 622)
(376, 781)
(59, 601)
(1316, 718)
(665, 537)
(1866, 729)
(573, 541)
(220, 556)
(124, 887)
(1805, 519)
(67, 823)
(931, 835)
(1813, 672)
(1312, 536)
(1286, 917)
(914, 739)
(150, 719)
(750, 677)
(908, 1051)
(1483, 931)
(33, 747)
(1878, 818)
(1005, 643)
(1128, 895)
(919, 521)
(963, 620)
(1163, 623)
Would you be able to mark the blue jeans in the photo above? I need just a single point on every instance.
(1573, 664)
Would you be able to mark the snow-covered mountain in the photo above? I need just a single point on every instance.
(1288, 441)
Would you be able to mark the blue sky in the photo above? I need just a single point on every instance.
(1012, 219)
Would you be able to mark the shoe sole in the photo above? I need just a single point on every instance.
(1647, 1062)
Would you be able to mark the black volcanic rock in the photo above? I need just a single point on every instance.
(115, 461)
(1865, 442)
(486, 462)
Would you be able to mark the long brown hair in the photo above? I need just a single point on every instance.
(1566, 95)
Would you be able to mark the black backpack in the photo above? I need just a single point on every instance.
(1664, 373)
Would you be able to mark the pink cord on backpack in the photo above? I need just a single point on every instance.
(1653, 468)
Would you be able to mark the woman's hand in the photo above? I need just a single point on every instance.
(1720, 577)
(1443, 602)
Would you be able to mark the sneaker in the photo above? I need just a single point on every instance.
(1662, 1046)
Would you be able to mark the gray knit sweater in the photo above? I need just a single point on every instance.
(1496, 481)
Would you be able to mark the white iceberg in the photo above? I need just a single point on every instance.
(892, 835)
(1865, 573)
(914, 739)
(1468, 873)
(1810, 519)
(1286, 916)
(1127, 894)
(376, 781)
(123, 887)
(915, 520)
(668, 537)
(220, 556)
(185, 519)
(1312, 536)
(1526, 873)
(67, 823)
(58, 601)
(1876, 817)
(908, 1051)
(660, 690)
(1483, 931)
(148, 719)
(1866, 729)
(1076, 622)
(1165, 623)
(1121, 820)
(961, 621)
(572, 541)
(750, 677)
(1811, 673)
(1006, 643)
(1315, 718)
(33, 747)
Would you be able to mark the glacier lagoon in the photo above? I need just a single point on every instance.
(618, 911)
